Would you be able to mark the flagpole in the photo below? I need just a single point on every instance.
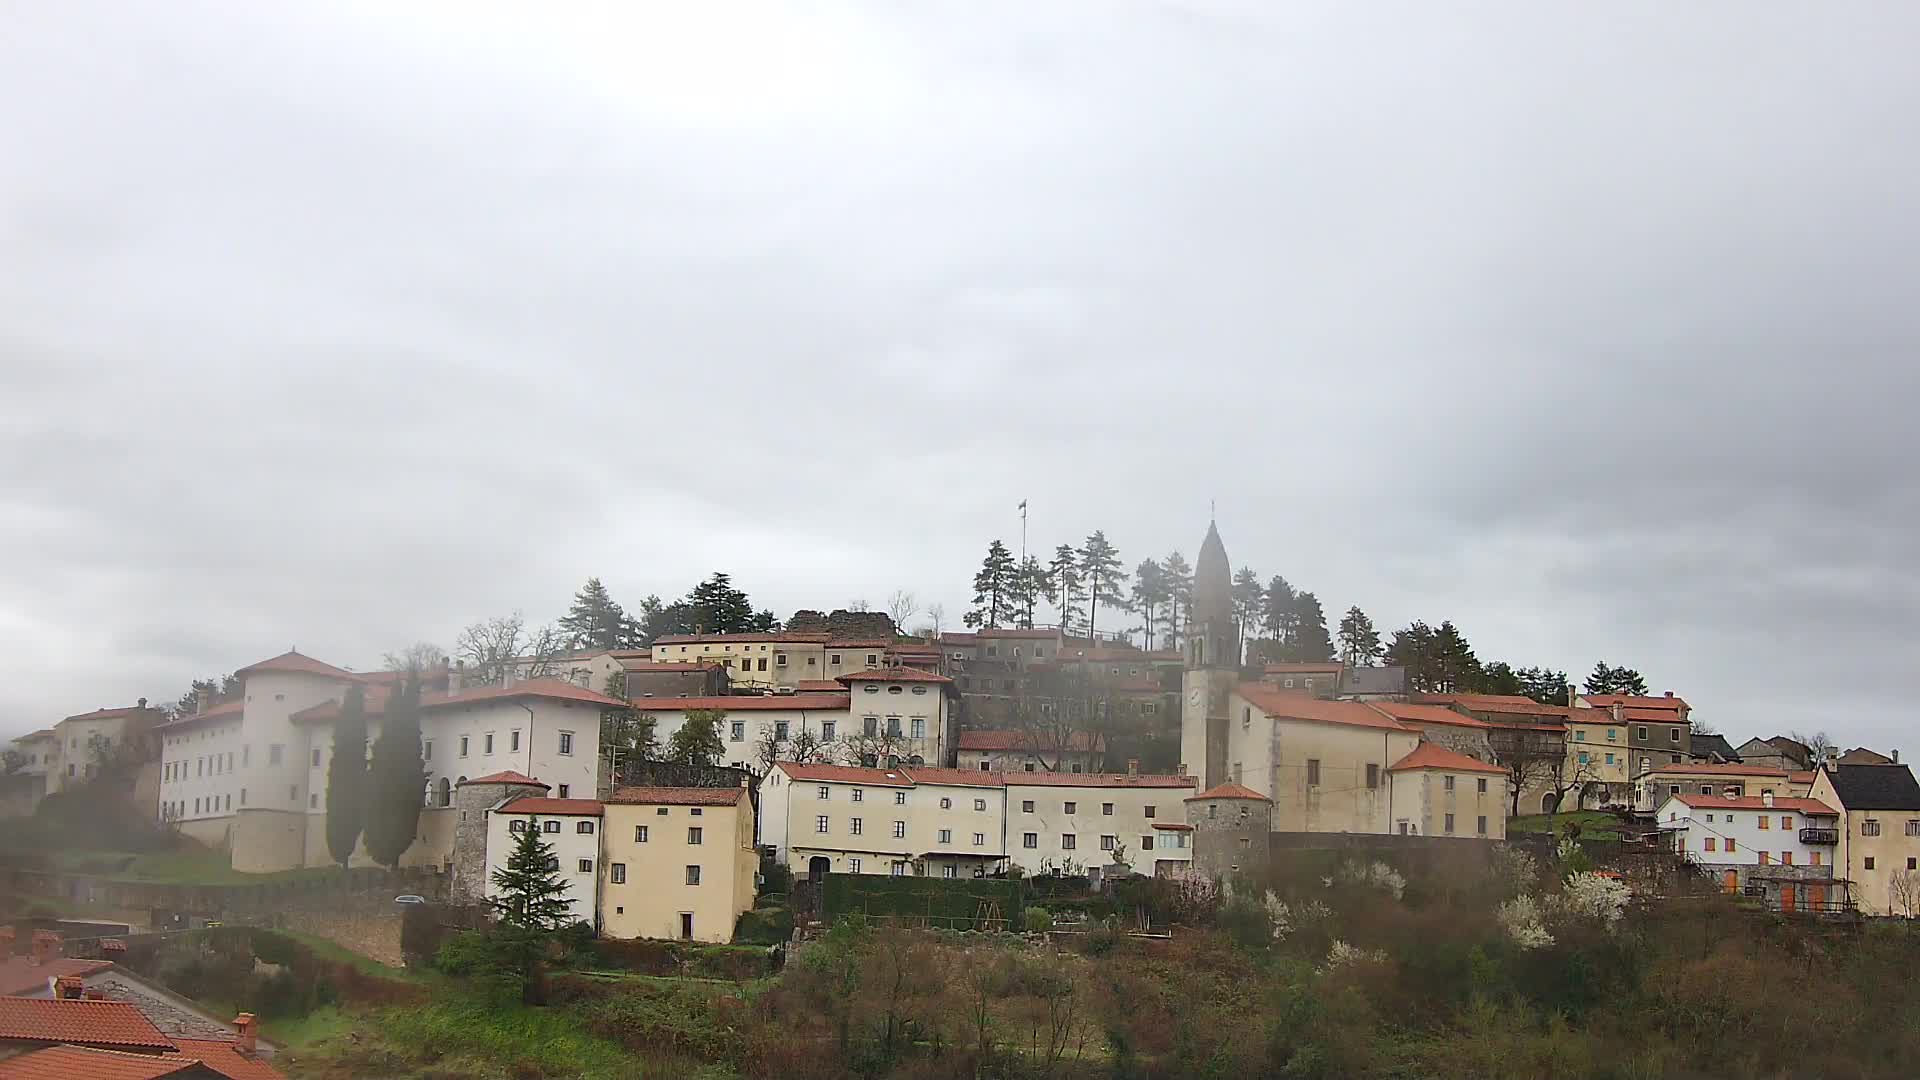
(1023, 532)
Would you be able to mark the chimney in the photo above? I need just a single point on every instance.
(1895, 755)
(114, 948)
(456, 676)
(1619, 713)
(203, 699)
(1669, 693)
(6, 942)
(46, 947)
(141, 704)
(68, 987)
(1133, 766)
(244, 1036)
(94, 993)
(1766, 798)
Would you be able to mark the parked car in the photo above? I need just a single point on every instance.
(409, 898)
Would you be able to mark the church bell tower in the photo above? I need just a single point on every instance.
(1212, 665)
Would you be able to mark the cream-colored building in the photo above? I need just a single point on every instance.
(677, 863)
(64, 753)
(1323, 763)
(1731, 779)
(1072, 821)
(1879, 841)
(250, 775)
(750, 717)
(1434, 791)
(766, 661)
(1597, 756)
(840, 819)
(1022, 751)
(901, 713)
(570, 826)
(37, 751)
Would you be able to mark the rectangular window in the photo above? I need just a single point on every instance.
(919, 728)
(1070, 808)
(693, 835)
(1729, 843)
(1643, 734)
(486, 743)
(1448, 784)
(1149, 813)
(899, 798)
(1814, 857)
(1107, 842)
(1481, 825)
(946, 803)
(1313, 772)
(1373, 777)
(854, 826)
(737, 730)
(763, 664)
(826, 730)
(693, 875)
(566, 742)
(1867, 863)
(946, 836)
(979, 804)
(859, 795)
(1913, 827)
(313, 802)
(1146, 843)
(1673, 734)
(513, 739)
(584, 828)
(618, 873)
(893, 725)
(780, 659)
(316, 757)
(586, 866)
(274, 752)
(949, 871)
(1786, 857)
(564, 788)
(871, 725)
(1068, 841)
(822, 792)
(899, 830)
(820, 824)
(780, 730)
(1482, 789)
(1786, 822)
(1764, 820)
(1030, 840)
(1869, 827)
(853, 865)
(1026, 806)
(426, 750)
(1449, 822)
(979, 839)
(463, 746)
(1766, 858)
(550, 826)
(639, 834)
(1106, 809)
(1710, 844)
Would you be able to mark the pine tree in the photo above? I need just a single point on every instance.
(1149, 592)
(528, 891)
(347, 777)
(1413, 649)
(1029, 585)
(1456, 668)
(994, 588)
(1281, 620)
(716, 607)
(1179, 581)
(1311, 643)
(596, 622)
(1544, 685)
(1248, 599)
(1499, 677)
(1359, 641)
(697, 742)
(1063, 587)
(1615, 680)
(396, 777)
(1100, 571)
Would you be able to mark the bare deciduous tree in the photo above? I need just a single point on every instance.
(1903, 893)
(902, 606)
(419, 656)
(493, 648)
(1820, 747)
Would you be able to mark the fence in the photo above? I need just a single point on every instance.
(949, 903)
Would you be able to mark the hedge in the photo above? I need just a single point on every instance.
(945, 901)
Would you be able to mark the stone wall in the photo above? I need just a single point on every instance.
(267, 841)
(466, 821)
(372, 930)
(1230, 836)
(233, 902)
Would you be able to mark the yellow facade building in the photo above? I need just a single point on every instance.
(677, 863)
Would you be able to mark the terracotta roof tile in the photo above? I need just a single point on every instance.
(677, 796)
(111, 1024)
(224, 1057)
(552, 689)
(1172, 826)
(110, 714)
(898, 674)
(535, 804)
(1229, 791)
(1077, 741)
(299, 664)
(1633, 701)
(1305, 667)
(747, 702)
(1721, 802)
(1098, 780)
(20, 975)
(1717, 768)
(1301, 707)
(846, 774)
(923, 774)
(666, 665)
(1427, 714)
(507, 777)
(1434, 756)
(224, 711)
(820, 686)
(83, 1063)
(772, 638)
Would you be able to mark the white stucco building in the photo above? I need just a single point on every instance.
(1071, 821)
(571, 826)
(1734, 836)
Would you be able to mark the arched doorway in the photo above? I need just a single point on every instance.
(446, 792)
(1549, 802)
(818, 867)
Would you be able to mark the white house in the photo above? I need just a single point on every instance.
(571, 826)
(1071, 821)
(749, 716)
(905, 821)
(1732, 834)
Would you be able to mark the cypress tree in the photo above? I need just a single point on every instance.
(347, 777)
(397, 778)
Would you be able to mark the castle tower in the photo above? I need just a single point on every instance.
(1213, 665)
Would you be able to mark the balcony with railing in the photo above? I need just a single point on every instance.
(1819, 836)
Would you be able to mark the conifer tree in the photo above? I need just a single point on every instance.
(994, 588)
(697, 742)
(1455, 666)
(1149, 593)
(1029, 585)
(1178, 577)
(397, 777)
(347, 777)
(1063, 586)
(1545, 685)
(1248, 601)
(1280, 620)
(1311, 643)
(719, 608)
(528, 891)
(1100, 572)
(1359, 641)
(595, 621)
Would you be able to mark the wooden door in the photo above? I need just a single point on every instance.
(1730, 881)
(1816, 897)
(1786, 899)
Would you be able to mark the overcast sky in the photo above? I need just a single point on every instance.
(1590, 328)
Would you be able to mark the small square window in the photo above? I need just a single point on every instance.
(1030, 840)
(822, 792)
(639, 834)
(1070, 808)
(693, 875)
(1068, 841)
(586, 866)
(617, 873)
(694, 834)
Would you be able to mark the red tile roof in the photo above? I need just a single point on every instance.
(848, 774)
(1427, 714)
(1800, 777)
(958, 639)
(677, 796)
(1023, 635)
(1463, 698)
(820, 686)
(1716, 768)
(747, 702)
(898, 674)
(1522, 707)
(1077, 741)
(923, 774)
(1434, 756)
(223, 710)
(1229, 791)
(1755, 802)
(1632, 701)
(535, 804)
(111, 1024)
(552, 689)
(110, 714)
(1100, 780)
(507, 777)
(772, 638)
(862, 643)
(82, 1063)
(1305, 667)
(20, 975)
(1302, 707)
(666, 665)
(224, 1057)
(299, 664)
(43, 733)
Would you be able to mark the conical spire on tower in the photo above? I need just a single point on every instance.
(1212, 634)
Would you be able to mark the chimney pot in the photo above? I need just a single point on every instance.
(142, 703)
(1669, 693)
(46, 946)
(68, 988)
(6, 941)
(244, 1034)
(1766, 798)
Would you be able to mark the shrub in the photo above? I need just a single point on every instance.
(764, 926)
(1036, 920)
